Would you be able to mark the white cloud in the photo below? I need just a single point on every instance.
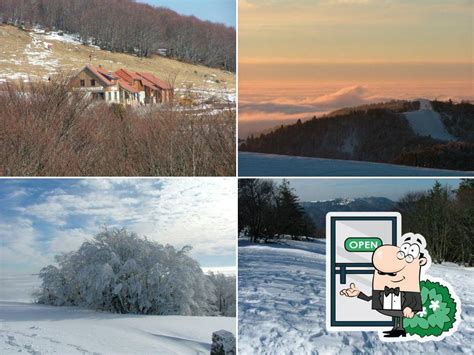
(200, 212)
(64, 241)
(350, 96)
(20, 249)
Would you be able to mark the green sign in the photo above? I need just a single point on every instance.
(364, 244)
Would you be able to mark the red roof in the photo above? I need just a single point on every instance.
(127, 87)
(147, 79)
(157, 82)
(130, 76)
(105, 76)
(126, 77)
(125, 74)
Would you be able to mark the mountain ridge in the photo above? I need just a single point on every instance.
(379, 133)
(317, 210)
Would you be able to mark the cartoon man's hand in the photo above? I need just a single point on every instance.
(352, 291)
(408, 312)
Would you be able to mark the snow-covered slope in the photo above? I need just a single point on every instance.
(257, 164)
(282, 306)
(39, 329)
(427, 122)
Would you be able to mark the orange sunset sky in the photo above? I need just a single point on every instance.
(299, 58)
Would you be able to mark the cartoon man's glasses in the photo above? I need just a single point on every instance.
(409, 252)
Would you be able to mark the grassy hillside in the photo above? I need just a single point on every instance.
(24, 55)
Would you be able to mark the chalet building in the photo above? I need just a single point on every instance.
(122, 86)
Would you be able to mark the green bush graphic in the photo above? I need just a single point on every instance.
(438, 314)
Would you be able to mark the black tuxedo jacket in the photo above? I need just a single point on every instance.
(408, 299)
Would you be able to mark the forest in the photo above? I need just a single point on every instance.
(130, 27)
(269, 211)
(458, 118)
(377, 134)
(445, 217)
(117, 271)
(47, 130)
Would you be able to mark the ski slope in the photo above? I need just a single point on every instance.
(39, 329)
(427, 122)
(258, 164)
(282, 306)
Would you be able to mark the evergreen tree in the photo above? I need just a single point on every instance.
(290, 219)
(445, 219)
(267, 211)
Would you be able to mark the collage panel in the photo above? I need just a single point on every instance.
(341, 266)
(118, 266)
(118, 88)
(356, 88)
(227, 177)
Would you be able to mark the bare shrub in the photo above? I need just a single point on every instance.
(49, 130)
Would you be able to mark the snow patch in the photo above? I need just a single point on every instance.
(349, 144)
(39, 53)
(427, 122)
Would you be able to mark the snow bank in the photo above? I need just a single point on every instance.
(282, 306)
(66, 38)
(39, 329)
(257, 164)
(427, 122)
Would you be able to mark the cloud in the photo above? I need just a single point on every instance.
(66, 240)
(346, 97)
(197, 212)
(20, 248)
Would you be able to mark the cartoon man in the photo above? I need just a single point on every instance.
(396, 281)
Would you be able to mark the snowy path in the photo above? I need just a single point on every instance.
(427, 122)
(282, 306)
(258, 164)
(38, 329)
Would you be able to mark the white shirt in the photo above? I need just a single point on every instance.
(392, 301)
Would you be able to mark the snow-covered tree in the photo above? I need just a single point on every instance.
(118, 271)
(225, 294)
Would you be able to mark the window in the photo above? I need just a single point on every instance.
(83, 83)
(115, 94)
(110, 96)
(92, 82)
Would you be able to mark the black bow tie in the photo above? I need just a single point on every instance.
(388, 290)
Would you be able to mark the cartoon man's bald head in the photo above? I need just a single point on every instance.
(400, 266)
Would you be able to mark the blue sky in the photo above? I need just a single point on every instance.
(326, 189)
(222, 11)
(40, 218)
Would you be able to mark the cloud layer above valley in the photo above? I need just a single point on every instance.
(350, 96)
(41, 218)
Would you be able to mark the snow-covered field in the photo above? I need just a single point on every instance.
(39, 329)
(282, 306)
(427, 122)
(257, 164)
